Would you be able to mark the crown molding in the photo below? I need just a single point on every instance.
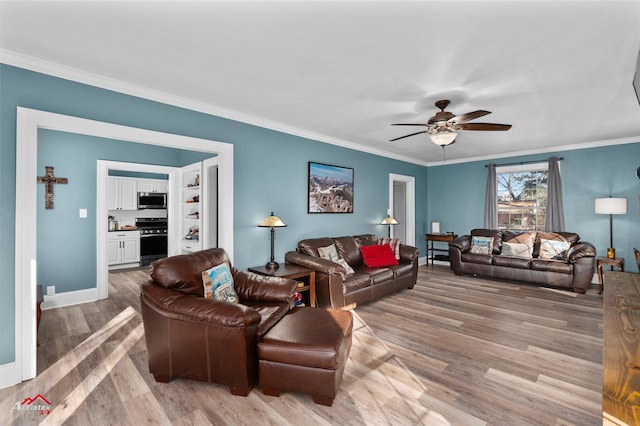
(68, 73)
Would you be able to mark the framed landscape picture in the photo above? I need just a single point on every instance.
(330, 189)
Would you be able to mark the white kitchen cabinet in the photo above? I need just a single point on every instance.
(122, 193)
(123, 249)
(153, 185)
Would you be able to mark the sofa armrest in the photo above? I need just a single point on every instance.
(263, 288)
(318, 264)
(408, 254)
(462, 243)
(186, 307)
(581, 249)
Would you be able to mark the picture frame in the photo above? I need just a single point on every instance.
(330, 189)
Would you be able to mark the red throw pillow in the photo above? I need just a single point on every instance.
(376, 256)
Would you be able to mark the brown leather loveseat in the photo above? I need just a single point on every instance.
(206, 339)
(339, 290)
(557, 259)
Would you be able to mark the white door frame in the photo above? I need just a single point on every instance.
(28, 123)
(102, 213)
(410, 207)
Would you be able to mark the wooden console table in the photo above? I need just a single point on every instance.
(621, 341)
(431, 250)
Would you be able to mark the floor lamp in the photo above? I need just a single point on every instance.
(389, 220)
(611, 206)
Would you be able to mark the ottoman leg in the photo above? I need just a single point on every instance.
(323, 400)
(270, 391)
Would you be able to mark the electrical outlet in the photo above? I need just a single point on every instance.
(83, 213)
(51, 290)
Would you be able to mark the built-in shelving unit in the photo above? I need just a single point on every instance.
(191, 208)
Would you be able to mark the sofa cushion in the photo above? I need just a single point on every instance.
(553, 249)
(349, 250)
(520, 237)
(377, 256)
(218, 284)
(355, 282)
(497, 237)
(377, 275)
(310, 246)
(517, 249)
(511, 262)
(183, 272)
(552, 266)
(481, 245)
(483, 259)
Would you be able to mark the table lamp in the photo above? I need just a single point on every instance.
(272, 222)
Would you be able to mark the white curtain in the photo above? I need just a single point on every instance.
(554, 218)
(491, 201)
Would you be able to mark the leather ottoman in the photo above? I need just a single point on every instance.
(306, 352)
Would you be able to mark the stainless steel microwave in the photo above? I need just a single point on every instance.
(152, 200)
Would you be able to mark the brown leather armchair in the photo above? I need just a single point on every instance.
(205, 339)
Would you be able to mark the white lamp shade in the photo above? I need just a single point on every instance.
(611, 205)
(389, 220)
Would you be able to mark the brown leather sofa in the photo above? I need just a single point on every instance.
(574, 270)
(205, 339)
(366, 284)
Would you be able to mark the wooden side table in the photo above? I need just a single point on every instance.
(294, 272)
(618, 262)
(431, 238)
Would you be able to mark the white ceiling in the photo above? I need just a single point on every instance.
(560, 72)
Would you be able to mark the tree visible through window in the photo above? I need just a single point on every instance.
(522, 197)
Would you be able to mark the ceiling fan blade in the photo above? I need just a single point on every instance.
(483, 126)
(469, 116)
(409, 124)
(406, 136)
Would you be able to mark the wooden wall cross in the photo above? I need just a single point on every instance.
(49, 180)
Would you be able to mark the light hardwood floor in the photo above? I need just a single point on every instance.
(452, 351)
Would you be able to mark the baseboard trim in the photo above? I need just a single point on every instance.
(70, 298)
(9, 375)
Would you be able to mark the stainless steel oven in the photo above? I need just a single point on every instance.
(153, 239)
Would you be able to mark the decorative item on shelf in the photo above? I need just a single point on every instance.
(389, 220)
(611, 206)
(193, 234)
(297, 297)
(272, 222)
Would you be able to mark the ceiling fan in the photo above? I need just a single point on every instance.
(442, 128)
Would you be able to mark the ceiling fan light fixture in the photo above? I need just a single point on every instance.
(443, 138)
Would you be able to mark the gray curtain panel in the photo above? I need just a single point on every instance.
(491, 203)
(554, 219)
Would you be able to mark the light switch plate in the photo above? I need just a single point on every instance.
(83, 213)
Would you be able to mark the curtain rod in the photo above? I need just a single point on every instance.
(522, 162)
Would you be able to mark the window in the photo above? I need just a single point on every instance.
(522, 196)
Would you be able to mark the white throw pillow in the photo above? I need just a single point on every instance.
(517, 250)
(329, 253)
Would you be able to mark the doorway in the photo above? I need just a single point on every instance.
(402, 207)
(28, 123)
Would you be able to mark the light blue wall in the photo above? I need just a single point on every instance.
(456, 195)
(270, 174)
(66, 243)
